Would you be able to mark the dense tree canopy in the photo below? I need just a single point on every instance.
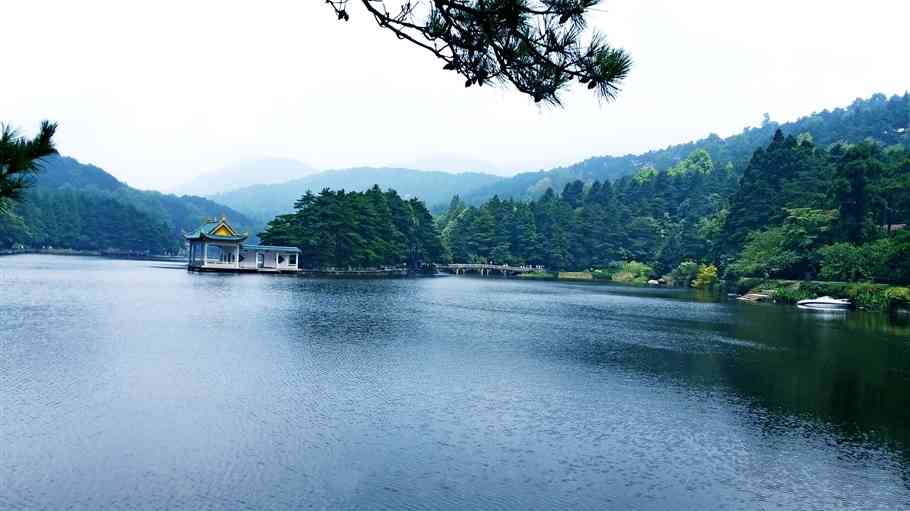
(71, 205)
(797, 210)
(536, 46)
(357, 229)
(73, 219)
(881, 118)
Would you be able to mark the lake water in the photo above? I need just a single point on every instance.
(132, 385)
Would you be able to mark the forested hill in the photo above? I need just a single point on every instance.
(879, 118)
(78, 206)
(798, 211)
(264, 202)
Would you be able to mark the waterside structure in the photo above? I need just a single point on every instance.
(216, 246)
(488, 269)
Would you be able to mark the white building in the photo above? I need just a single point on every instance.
(216, 246)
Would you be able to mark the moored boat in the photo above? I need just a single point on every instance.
(824, 303)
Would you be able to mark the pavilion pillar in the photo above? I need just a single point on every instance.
(237, 256)
(205, 252)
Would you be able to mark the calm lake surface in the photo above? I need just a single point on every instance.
(132, 385)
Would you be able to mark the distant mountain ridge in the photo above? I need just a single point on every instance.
(879, 117)
(76, 205)
(58, 171)
(452, 164)
(265, 201)
(246, 173)
(80, 206)
(882, 118)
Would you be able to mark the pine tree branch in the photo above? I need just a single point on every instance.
(535, 46)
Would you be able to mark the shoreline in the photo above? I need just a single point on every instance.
(864, 295)
(868, 296)
(92, 253)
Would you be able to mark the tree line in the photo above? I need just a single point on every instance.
(880, 117)
(797, 210)
(74, 219)
(62, 203)
(358, 230)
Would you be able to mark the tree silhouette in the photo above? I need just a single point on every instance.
(537, 46)
(18, 159)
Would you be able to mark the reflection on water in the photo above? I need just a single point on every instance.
(126, 384)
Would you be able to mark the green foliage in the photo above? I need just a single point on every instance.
(855, 170)
(844, 261)
(707, 277)
(360, 230)
(786, 174)
(537, 47)
(895, 267)
(644, 175)
(19, 160)
(80, 220)
(633, 272)
(13, 230)
(766, 254)
(822, 213)
(880, 118)
(684, 274)
(787, 250)
(76, 206)
(885, 260)
(603, 273)
(774, 222)
(699, 162)
(898, 296)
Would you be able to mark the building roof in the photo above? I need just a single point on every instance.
(216, 230)
(270, 248)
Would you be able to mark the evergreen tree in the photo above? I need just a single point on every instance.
(19, 160)
(794, 199)
(358, 230)
(538, 47)
(850, 190)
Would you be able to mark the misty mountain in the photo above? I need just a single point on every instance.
(246, 173)
(80, 206)
(884, 119)
(453, 164)
(263, 202)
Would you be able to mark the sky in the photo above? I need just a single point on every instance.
(159, 92)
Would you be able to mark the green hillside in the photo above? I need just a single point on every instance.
(832, 207)
(82, 207)
(879, 118)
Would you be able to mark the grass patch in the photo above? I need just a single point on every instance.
(575, 275)
(537, 275)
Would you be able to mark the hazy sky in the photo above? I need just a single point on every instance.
(157, 92)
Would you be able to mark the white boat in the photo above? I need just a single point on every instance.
(824, 303)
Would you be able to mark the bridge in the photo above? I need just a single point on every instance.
(488, 269)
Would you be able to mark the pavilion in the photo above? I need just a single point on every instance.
(216, 246)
